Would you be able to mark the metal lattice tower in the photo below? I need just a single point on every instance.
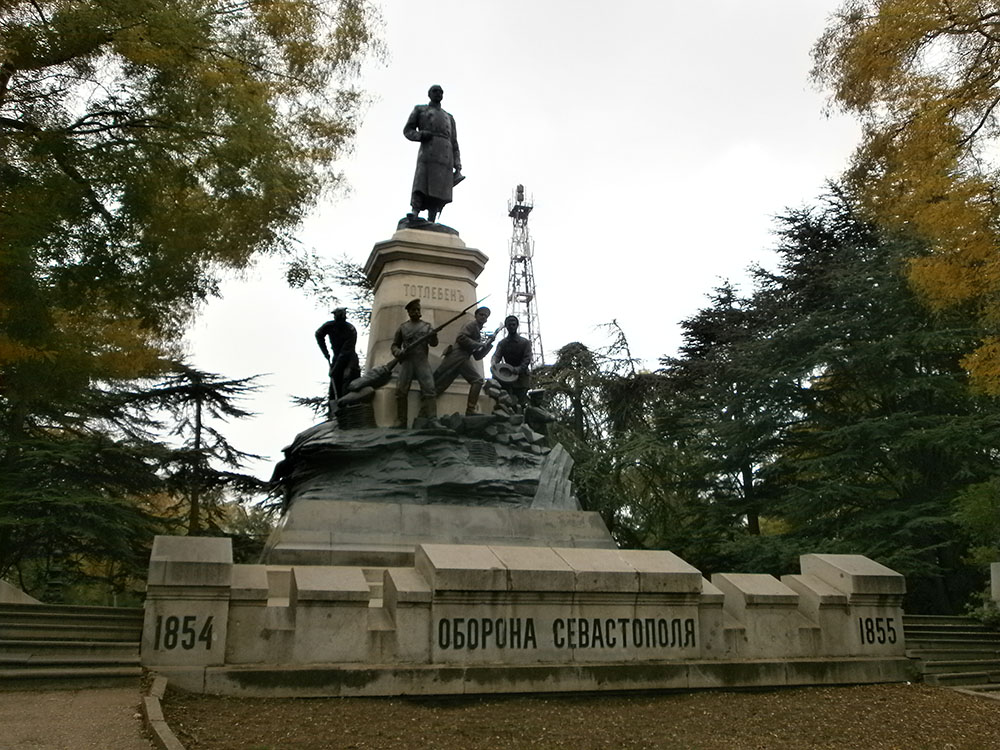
(521, 300)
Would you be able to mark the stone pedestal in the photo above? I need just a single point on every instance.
(496, 618)
(187, 602)
(440, 271)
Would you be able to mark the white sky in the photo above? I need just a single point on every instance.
(658, 139)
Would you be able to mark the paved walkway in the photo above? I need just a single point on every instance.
(95, 719)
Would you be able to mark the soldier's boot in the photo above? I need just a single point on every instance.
(428, 407)
(401, 399)
(470, 406)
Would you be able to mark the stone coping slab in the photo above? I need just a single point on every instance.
(854, 574)
(817, 589)
(404, 585)
(190, 561)
(330, 583)
(472, 567)
(249, 582)
(754, 590)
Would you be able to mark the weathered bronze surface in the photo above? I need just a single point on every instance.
(341, 354)
(458, 359)
(410, 346)
(439, 164)
(511, 362)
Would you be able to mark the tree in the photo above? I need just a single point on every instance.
(722, 404)
(145, 147)
(886, 433)
(924, 77)
(74, 493)
(603, 407)
(203, 491)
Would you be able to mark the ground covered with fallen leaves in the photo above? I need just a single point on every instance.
(876, 717)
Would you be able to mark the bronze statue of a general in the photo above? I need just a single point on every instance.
(439, 165)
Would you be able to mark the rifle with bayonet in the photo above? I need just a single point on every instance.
(379, 376)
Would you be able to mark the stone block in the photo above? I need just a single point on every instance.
(329, 632)
(190, 561)
(461, 567)
(769, 622)
(184, 632)
(745, 590)
(10, 594)
(249, 583)
(330, 584)
(281, 591)
(187, 601)
(855, 575)
(661, 571)
(828, 608)
(535, 569)
(711, 634)
(815, 593)
(404, 585)
(601, 570)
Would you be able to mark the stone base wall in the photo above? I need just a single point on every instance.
(492, 618)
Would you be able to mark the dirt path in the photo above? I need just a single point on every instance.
(96, 719)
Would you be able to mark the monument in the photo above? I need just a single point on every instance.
(446, 553)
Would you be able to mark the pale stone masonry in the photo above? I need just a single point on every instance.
(484, 618)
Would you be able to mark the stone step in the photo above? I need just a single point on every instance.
(68, 632)
(957, 678)
(938, 654)
(105, 613)
(986, 687)
(31, 661)
(952, 644)
(81, 648)
(910, 620)
(949, 632)
(960, 665)
(68, 678)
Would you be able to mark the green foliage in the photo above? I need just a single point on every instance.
(71, 497)
(826, 411)
(145, 148)
(203, 473)
(832, 400)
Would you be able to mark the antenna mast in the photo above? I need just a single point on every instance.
(521, 282)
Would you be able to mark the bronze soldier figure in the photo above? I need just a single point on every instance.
(411, 351)
(511, 362)
(458, 358)
(341, 356)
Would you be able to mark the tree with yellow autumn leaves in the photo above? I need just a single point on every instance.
(923, 76)
(146, 147)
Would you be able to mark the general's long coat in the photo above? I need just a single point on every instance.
(438, 157)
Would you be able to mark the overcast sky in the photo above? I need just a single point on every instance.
(658, 139)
